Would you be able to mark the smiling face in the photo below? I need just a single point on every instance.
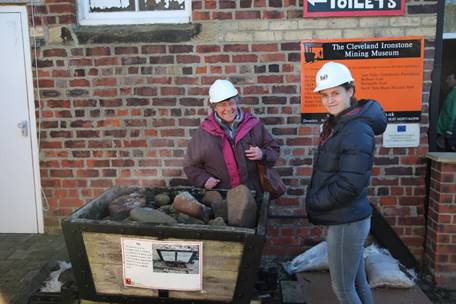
(227, 110)
(336, 99)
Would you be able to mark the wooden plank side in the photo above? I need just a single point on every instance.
(217, 286)
(221, 262)
(105, 259)
(108, 280)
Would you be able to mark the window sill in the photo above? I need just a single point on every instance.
(137, 33)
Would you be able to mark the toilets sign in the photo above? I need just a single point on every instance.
(349, 8)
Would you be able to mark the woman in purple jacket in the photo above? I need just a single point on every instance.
(224, 150)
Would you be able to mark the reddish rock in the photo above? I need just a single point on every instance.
(187, 204)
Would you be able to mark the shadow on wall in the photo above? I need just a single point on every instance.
(448, 62)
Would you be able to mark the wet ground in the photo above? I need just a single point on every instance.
(435, 294)
(23, 257)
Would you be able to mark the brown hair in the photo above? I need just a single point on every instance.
(347, 86)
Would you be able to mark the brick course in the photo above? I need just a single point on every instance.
(440, 249)
(118, 113)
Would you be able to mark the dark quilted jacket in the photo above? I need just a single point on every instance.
(337, 192)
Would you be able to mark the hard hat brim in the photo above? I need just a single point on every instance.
(217, 100)
(321, 88)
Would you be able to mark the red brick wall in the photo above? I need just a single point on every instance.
(440, 252)
(121, 114)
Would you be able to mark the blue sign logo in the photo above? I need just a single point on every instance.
(401, 128)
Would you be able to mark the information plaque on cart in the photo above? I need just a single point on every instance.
(163, 265)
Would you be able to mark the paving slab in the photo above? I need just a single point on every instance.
(317, 289)
(22, 257)
(292, 292)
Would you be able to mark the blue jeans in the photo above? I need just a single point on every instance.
(346, 262)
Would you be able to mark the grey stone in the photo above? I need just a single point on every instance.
(120, 208)
(220, 209)
(168, 209)
(149, 215)
(137, 33)
(117, 212)
(211, 197)
(218, 221)
(187, 219)
(162, 199)
(182, 218)
(241, 207)
(185, 202)
(195, 221)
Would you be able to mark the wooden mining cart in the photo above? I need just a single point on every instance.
(231, 255)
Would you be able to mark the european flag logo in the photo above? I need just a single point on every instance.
(401, 128)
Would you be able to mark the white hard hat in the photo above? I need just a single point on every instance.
(220, 90)
(332, 74)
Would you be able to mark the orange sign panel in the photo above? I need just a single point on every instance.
(389, 70)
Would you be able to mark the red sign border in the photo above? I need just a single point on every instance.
(399, 12)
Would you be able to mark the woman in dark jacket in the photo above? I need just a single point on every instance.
(223, 152)
(337, 194)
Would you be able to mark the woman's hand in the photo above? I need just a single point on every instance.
(211, 183)
(254, 153)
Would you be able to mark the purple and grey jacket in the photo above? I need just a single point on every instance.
(211, 152)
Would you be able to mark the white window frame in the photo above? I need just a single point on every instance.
(85, 17)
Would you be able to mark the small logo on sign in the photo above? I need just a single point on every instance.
(127, 281)
(401, 128)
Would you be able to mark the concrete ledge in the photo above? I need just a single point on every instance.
(20, 1)
(442, 157)
(137, 33)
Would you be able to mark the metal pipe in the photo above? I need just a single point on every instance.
(434, 106)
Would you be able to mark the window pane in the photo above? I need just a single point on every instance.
(168, 255)
(184, 256)
(103, 6)
(161, 5)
